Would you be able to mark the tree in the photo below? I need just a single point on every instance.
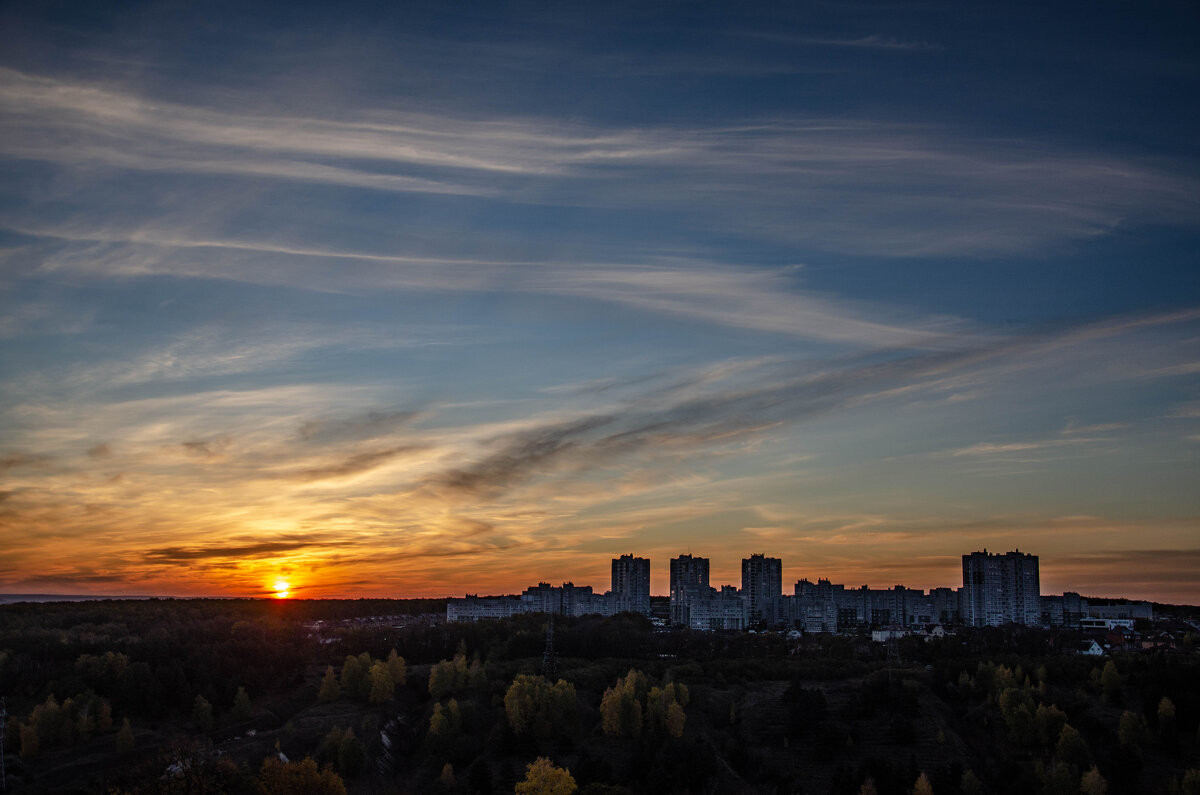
(105, 672)
(620, 712)
(664, 709)
(534, 706)
(475, 673)
(446, 721)
(447, 777)
(66, 722)
(449, 676)
(868, 787)
(675, 719)
(354, 678)
(125, 737)
(202, 714)
(1110, 683)
(85, 724)
(542, 777)
(1166, 721)
(1191, 782)
(331, 746)
(1093, 783)
(286, 778)
(922, 785)
(1059, 778)
(383, 685)
(46, 718)
(1132, 730)
(29, 741)
(352, 756)
(1021, 725)
(395, 664)
(241, 705)
(330, 688)
(970, 784)
(1073, 749)
(1049, 721)
(630, 707)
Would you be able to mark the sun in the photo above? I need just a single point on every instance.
(282, 589)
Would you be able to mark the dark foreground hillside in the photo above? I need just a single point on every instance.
(378, 696)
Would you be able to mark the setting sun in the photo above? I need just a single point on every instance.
(282, 589)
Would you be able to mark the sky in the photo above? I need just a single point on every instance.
(420, 299)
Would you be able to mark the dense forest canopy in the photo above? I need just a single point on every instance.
(384, 696)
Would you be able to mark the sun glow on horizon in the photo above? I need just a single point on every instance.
(283, 589)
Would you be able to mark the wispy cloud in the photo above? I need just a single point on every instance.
(238, 551)
(874, 41)
(355, 464)
(759, 300)
(321, 478)
(852, 186)
(368, 425)
(1073, 429)
(411, 306)
(993, 448)
(780, 395)
(740, 297)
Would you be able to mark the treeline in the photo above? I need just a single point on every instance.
(464, 708)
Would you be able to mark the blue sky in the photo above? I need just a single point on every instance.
(410, 299)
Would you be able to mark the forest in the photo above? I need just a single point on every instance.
(383, 696)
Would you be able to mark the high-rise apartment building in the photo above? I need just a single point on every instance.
(631, 584)
(1001, 589)
(762, 583)
(689, 581)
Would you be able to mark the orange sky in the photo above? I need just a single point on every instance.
(288, 301)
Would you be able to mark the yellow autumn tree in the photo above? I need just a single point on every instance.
(354, 677)
(330, 688)
(543, 777)
(534, 706)
(1093, 783)
(630, 708)
(285, 778)
(383, 683)
(396, 665)
(450, 677)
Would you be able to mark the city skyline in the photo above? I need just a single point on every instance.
(380, 300)
(997, 589)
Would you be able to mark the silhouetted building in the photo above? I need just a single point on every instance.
(826, 607)
(1063, 611)
(689, 581)
(813, 607)
(568, 600)
(1001, 589)
(631, 584)
(472, 608)
(944, 606)
(997, 589)
(762, 584)
(1118, 609)
(713, 609)
(1074, 611)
